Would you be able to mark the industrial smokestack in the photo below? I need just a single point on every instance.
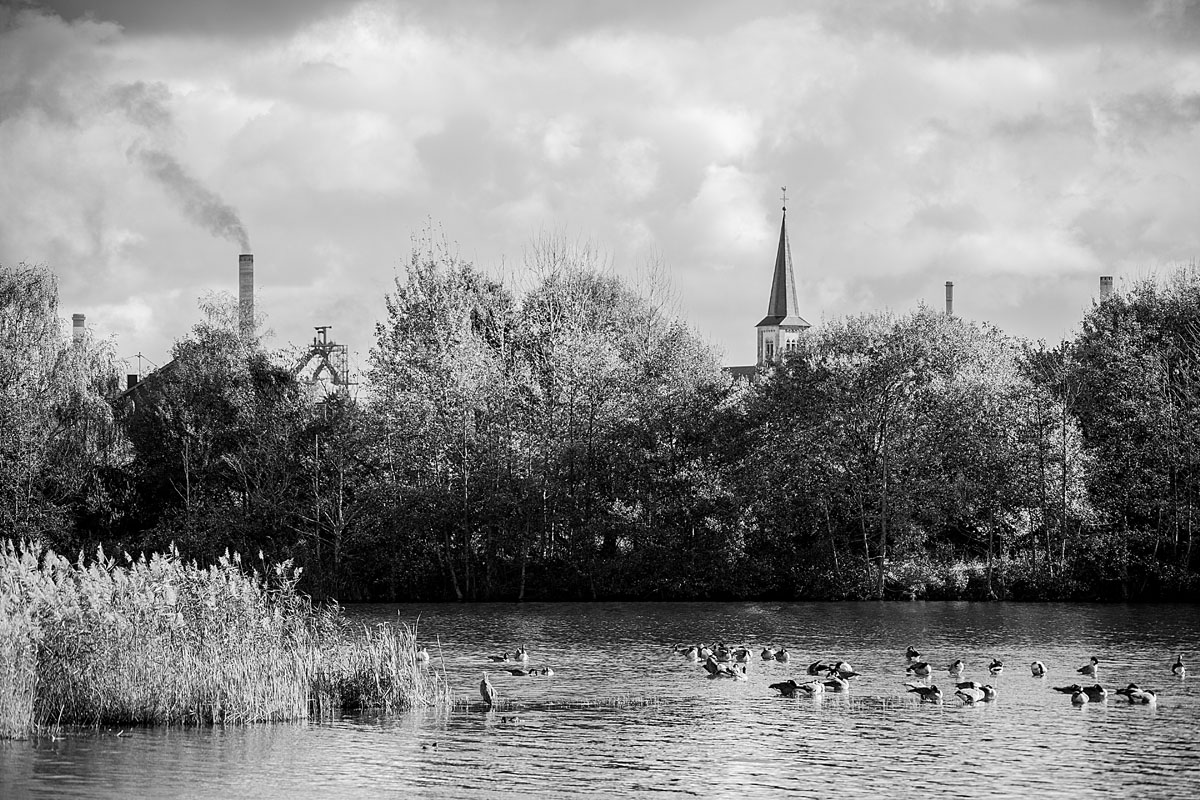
(949, 298)
(77, 328)
(246, 293)
(1106, 287)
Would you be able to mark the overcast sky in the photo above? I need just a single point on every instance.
(1019, 149)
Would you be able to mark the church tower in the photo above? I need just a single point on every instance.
(779, 332)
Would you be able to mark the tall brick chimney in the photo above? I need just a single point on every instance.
(1106, 287)
(246, 293)
(949, 298)
(77, 329)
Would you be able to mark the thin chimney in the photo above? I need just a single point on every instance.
(949, 298)
(77, 329)
(246, 293)
(1106, 287)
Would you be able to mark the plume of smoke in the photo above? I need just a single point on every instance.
(146, 105)
(198, 203)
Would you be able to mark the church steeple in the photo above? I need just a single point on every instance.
(780, 328)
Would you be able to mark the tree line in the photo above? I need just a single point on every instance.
(573, 438)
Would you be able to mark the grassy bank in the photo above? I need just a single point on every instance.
(157, 640)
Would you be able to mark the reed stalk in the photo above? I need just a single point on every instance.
(158, 640)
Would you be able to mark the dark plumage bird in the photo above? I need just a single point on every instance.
(768, 654)
(843, 669)
(1091, 668)
(928, 694)
(1135, 694)
(782, 655)
(1037, 669)
(786, 688)
(1079, 699)
(1178, 667)
(970, 685)
(818, 668)
(911, 653)
(487, 691)
(970, 696)
(1096, 693)
(518, 671)
(921, 669)
(956, 667)
(996, 667)
(836, 683)
(501, 657)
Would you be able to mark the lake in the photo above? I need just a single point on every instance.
(562, 735)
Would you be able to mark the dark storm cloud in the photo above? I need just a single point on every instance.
(203, 17)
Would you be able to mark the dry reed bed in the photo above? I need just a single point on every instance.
(158, 640)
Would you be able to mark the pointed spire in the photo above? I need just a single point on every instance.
(782, 304)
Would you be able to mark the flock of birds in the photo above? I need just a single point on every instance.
(834, 676)
(519, 656)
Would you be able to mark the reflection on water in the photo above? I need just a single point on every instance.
(716, 738)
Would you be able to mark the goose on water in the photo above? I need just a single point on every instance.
(969, 696)
(782, 655)
(1135, 694)
(768, 654)
(1079, 698)
(1096, 693)
(928, 694)
(956, 668)
(996, 667)
(422, 654)
(1178, 667)
(1091, 668)
(1037, 669)
(837, 684)
(818, 668)
(911, 653)
(921, 669)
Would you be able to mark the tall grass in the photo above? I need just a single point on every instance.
(158, 640)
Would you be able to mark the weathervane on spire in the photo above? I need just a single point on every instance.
(784, 197)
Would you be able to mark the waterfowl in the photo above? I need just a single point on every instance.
(487, 691)
(1037, 669)
(843, 675)
(1178, 668)
(1096, 693)
(786, 688)
(956, 668)
(928, 694)
(970, 696)
(911, 653)
(921, 669)
(782, 656)
(1079, 699)
(1135, 694)
(518, 671)
(1090, 668)
(818, 668)
(996, 667)
(521, 654)
(741, 655)
(838, 684)
(843, 669)
(970, 685)
(989, 693)
(422, 654)
(546, 671)
(501, 657)
(692, 653)
(710, 665)
(768, 654)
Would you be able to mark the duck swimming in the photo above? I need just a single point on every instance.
(928, 694)
(1037, 669)
(1090, 668)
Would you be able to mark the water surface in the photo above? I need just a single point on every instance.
(558, 736)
